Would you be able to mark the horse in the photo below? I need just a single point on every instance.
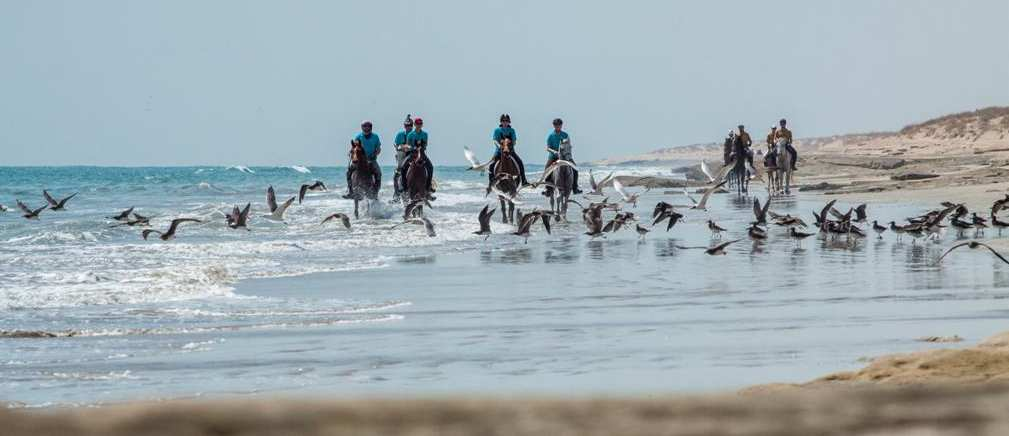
(506, 179)
(771, 170)
(362, 179)
(784, 164)
(416, 179)
(563, 179)
(739, 176)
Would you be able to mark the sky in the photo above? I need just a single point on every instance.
(248, 82)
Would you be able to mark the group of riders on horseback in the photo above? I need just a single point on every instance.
(364, 173)
(779, 141)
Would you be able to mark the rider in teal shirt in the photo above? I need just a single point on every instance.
(401, 149)
(416, 140)
(554, 140)
(503, 132)
(372, 147)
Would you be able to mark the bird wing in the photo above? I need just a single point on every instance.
(687, 194)
(707, 171)
(860, 212)
(992, 250)
(707, 194)
(302, 191)
(345, 220)
(836, 213)
(280, 210)
(954, 248)
(473, 161)
(329, 218)
(175, 223)
(49, 198)
(756, 208)
(271, 199)
(724, 244)
(824, 211)
(24, 208)
(725, 170)
(619, 187)
(767, 208)
(592, 181)
(244, 214)
(147, 232)
(124, 214)
(429, 226)
(545, 219)
(66, 199)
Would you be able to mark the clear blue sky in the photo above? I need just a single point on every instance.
(262, 83)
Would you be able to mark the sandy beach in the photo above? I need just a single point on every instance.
(957, 391)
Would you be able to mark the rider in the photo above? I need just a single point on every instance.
(784, 133)
(744, 138)
(727, 147)
(503, 132)
(554, 140)
(416, 140)
(372, 147)
(401, 149)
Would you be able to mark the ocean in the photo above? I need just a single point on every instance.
(384, 310)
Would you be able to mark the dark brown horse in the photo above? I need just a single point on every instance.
(416, 177)
(363, 177)
(506, 181)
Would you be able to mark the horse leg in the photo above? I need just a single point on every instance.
(504, 211)
(356, 201)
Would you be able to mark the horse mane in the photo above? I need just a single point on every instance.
(356, 152)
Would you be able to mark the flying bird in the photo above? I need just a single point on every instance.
(344, 219)
(239, 218)
(57, 205)
(29, 213)
(703, 204)
(597, 187)
(474, 164)
(170, 233)
(122, 216)
(276, 212)
(631, 199)
(707, 172)
(717, 250)
(317, 186)
(484, 218)
(428, 225)
(972, 245)
(760, 212)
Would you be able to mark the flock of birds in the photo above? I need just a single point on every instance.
(829, 220)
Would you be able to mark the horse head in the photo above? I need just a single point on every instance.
(506, 146)
(356, 152)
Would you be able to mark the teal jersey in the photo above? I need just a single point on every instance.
(371, 144)
(416, 139)
(554, 142)
(401, 137)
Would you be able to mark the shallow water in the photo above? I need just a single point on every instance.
(299, 308)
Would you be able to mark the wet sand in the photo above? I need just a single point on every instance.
(938, 392)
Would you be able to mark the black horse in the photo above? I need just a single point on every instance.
(739, 176)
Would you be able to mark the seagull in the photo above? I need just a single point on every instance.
(276, 212)
(597, 187)
(707, 172)
(170, 234)
(527, 221)
(878, 229)
(979, 223)
(631, 199)
(998, 224)
(972, 245)
(702, 205)
(547, 172)
(57, 205)
(716, 230)
(717, 250)
(428, 225)
(484, 218)
(239, 218)
(317, 186)
(760, 212)
(823, 213)
(667, 212)
(619, 221)
(344, 219)
(474, 164)
(642, 230)
(797, 235)
(28, 213)
(756, 233)
(123, 216)
(897, 230)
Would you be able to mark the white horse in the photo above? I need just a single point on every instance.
(784, 164)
